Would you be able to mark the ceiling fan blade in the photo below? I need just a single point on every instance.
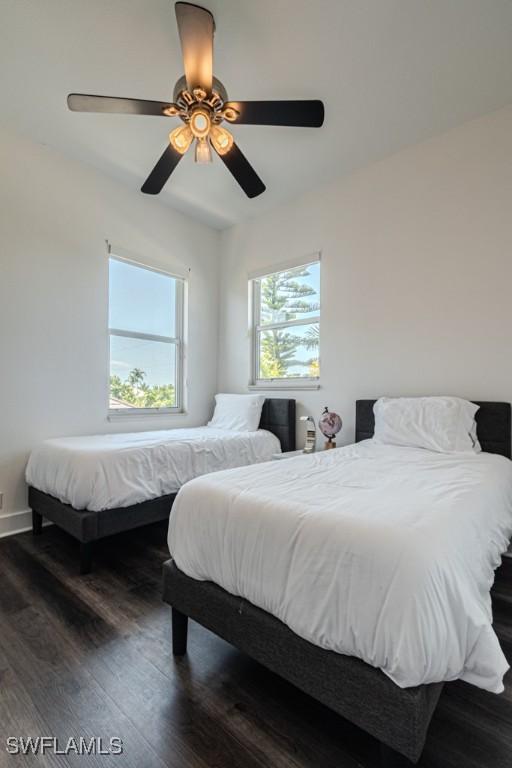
(86, 102)
(161, 172)
(236, 162)
(196, 27)
(303, 114)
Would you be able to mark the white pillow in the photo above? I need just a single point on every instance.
(238, 412)
(443, 424)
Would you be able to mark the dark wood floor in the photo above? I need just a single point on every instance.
(90, 656)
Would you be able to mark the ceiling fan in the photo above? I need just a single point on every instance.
(201, 102)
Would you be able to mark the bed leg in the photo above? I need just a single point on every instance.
(391, 759)
(37, 523)
(179, 632)
(85, 557)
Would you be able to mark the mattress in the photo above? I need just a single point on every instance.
(108, 471)
(380, 552)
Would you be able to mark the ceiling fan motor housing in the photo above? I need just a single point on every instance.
(217, 88)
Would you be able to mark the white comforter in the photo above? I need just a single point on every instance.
(107, 471)
(375, 551)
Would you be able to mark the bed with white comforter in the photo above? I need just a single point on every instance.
(108, 471)
(382, 552)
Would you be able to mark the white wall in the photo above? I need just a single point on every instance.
(55, 215)
(416, 273)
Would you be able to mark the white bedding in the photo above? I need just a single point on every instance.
(381, 552)
(107, 471)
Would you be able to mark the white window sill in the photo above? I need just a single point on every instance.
(285, 386)
(142, 413)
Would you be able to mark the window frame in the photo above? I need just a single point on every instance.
(256, 327)
(178, 340)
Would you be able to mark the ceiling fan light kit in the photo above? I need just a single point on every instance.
(200, 100)
(221, 139)
(203, 153)
(181, 138)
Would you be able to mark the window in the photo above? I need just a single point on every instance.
(286, 324)
(146, 338)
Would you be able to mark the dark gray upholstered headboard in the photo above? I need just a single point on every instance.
(278, 416)
(492, 425)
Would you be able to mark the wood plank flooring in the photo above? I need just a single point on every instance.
(91, 656)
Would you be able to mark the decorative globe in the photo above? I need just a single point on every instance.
(329, 423)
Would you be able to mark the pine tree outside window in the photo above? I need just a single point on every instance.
(286, 325)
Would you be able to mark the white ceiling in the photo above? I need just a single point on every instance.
(390, 72)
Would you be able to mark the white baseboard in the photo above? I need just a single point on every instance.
(16, 522)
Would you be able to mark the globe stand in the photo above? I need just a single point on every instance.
(330, 424)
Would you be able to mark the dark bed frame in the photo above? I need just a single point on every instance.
(398, 717)
(277, 416)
